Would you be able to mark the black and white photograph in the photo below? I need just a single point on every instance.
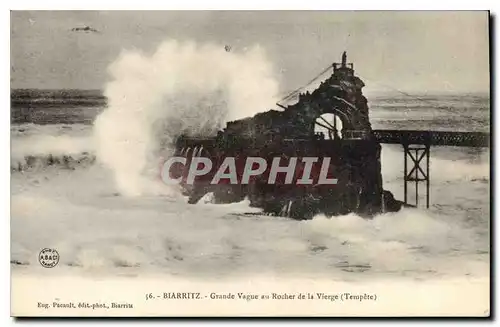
(273, 163)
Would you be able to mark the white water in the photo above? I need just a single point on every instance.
(79, 212)
(182, 87)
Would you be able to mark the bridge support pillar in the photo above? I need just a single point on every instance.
(416, 173)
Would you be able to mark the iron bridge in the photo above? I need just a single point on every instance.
(416, 145)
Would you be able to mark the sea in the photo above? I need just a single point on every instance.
(63, 197)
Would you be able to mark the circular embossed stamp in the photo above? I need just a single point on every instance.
(49, 258)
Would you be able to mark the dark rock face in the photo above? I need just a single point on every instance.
(355, 155)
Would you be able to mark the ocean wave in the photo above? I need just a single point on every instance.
(41, 162)
(35, 147)
(30, 129)
(57, 97)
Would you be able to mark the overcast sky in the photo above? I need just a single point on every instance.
(410, 51)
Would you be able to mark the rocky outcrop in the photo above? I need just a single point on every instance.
(291, 133)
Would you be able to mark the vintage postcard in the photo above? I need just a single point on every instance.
(250, 163)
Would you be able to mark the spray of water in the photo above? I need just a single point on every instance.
(183, 87)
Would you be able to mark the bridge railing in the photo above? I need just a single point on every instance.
(467, 139)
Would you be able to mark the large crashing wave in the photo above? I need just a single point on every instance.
(183, 87)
